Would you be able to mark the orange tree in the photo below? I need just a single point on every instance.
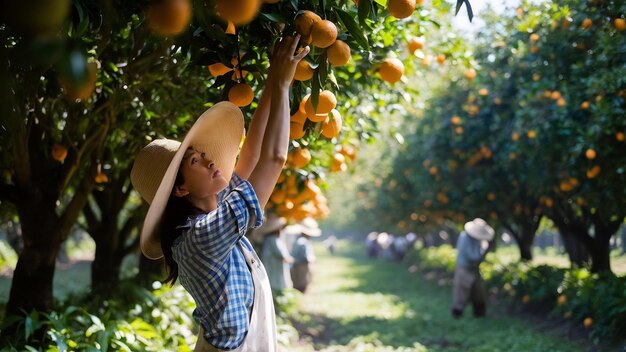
(79, 98)
(535, 130)
(575, 56)
(87, 84)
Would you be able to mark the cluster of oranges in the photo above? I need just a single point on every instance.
(297, 199)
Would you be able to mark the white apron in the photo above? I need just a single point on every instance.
(261, 336)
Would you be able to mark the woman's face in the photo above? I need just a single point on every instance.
(201, 175)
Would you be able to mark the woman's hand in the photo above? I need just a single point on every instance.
(284, 59)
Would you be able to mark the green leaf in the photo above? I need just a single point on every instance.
(353, 28)
(274, 17)
(365, 7)
(459, 3)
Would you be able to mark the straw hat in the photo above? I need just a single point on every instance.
(217, 132)
(271, 224)
(479, 229)
(308, 227)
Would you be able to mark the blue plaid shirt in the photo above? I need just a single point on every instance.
(212, 268)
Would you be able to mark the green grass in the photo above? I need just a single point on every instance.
(356, 303)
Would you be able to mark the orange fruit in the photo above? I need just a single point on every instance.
(59, 152)
(332, 125)
(299, 117)
(241, 94)
(533, 49)
(470, 74)
(561, 102)
(338, 53)
(230, 28)
(305, 21)
(325, 103)
(584, 105)
(416, 43)
(587, 322)
(566, 22)
(515, 136)
(594, 171)
(323, 33)
(238, 11)
(590, 154)
(620, 136)
(401, 8)
(239, 75)
(483, 92)
(169, 17)
(620, 24)
(278, 196)
(456, 120)
(85, 89)
(526, 299)
(549, 202)
(534, 37)
(296, 130)
(441, 58)
(391, 70)
(101, 177)
(217, 69)
(304, 71)
(555, 95)
(491, 196)
(338, 163)
(348, 151)
(303, 103)
(301, 157)
(531, 134)
(587, 22)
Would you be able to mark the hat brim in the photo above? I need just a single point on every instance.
(297, 229)
(218, 133)
(271, 226)
(479, 232)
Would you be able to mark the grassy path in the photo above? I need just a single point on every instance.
(360, 304)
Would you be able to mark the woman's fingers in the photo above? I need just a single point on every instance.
(294, 43)
(302, 53)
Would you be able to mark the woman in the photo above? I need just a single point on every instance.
(201, 205)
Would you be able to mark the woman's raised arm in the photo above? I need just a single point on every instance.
(276, 138)
(251, 149)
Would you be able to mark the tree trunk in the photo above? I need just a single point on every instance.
(578, 254)
(105, 269)
(31, 287)
(525, 250)
(601, 255)
(525, 237)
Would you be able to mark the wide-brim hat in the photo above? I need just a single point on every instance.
(217, 133)
(271, 224)
(479, 229)
(307, 226)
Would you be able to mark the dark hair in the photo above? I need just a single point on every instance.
(176, 212)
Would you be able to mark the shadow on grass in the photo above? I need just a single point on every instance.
(402, 307)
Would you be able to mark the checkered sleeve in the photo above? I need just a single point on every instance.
(216, 233)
